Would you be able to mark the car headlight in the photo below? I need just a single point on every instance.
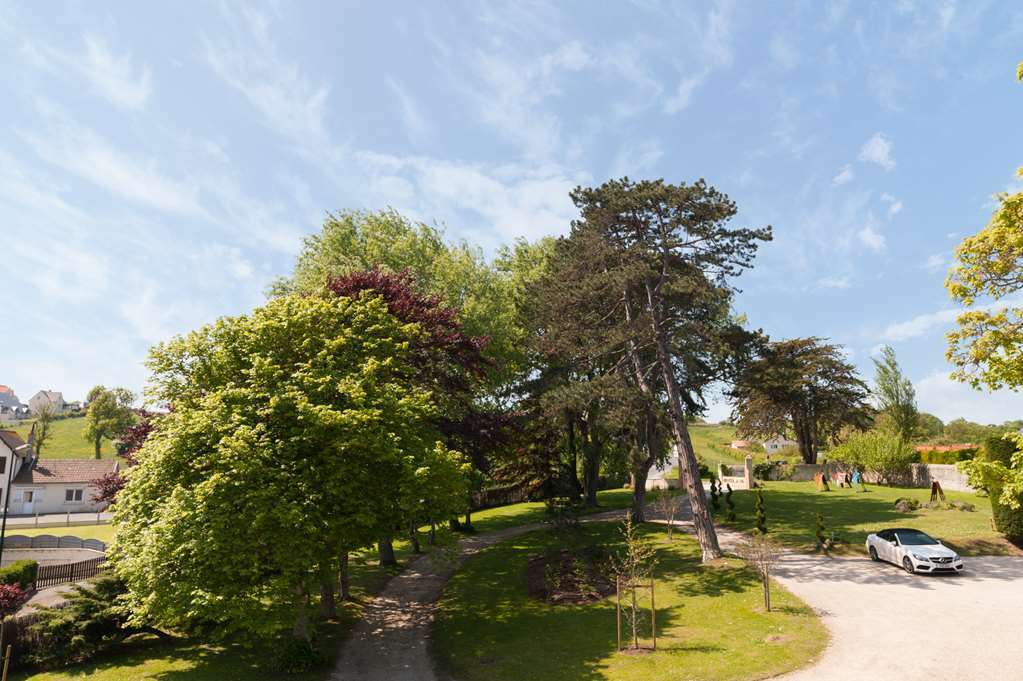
(923, 558)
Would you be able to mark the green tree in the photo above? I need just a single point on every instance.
(109, 413)
(805, 386)
(929, 426)
(895, 394)
(661, 258)
(42, 429)
(355, 241)
(292, 432)
(884, 454)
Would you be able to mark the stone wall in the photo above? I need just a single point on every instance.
(920, 475)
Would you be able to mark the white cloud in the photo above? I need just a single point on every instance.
(878, 150)
(870, 237)
(935, 262)
(938, 394)
(835, 282)
(116, 77)
(81, 151)
(636, 158)
(492, 203)
(924, 323)
(289, 102)
(783, 52)
(415, 122)
(684, 92)
(919, 325)
(894, 205)
(844, 176)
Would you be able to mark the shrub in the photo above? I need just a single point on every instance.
(729, 505)
(763, 470)
(761, 513)
(93, 619)
(905, 504)
(11, 597)
(947, 457)
(715, 492)
(296, 655)
(20, 572)
(992, 472)
(885, 455)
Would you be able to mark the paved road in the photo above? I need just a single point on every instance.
(887, 624)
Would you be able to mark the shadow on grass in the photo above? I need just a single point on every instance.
(489, 628)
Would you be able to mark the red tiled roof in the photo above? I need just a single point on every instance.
(64, 470)
(5, 389)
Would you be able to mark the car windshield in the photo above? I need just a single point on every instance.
(915, 538)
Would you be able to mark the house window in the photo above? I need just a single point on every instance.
(3, 464)
(72, 495)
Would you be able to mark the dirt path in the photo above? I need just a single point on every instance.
(391, 642)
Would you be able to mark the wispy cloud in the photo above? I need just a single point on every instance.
(844, 176)
(842, 282)
(783, 52)
(894, 206)
(291, 104)
(935, 262)
(870, 237)
(878, 150)
(116, 77)
(83, 152)
(415, 123)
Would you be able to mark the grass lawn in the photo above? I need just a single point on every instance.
(710, 621)
(150, 659)
(791, 509)
(102, 532)
(66, 440)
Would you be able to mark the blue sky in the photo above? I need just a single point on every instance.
(159, 165)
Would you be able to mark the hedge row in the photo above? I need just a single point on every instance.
(1008, 521)
(943, 457)
(20, 572)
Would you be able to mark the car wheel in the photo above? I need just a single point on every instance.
(873, 554)
(907, 564)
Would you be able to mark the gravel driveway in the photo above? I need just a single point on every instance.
(887, 624)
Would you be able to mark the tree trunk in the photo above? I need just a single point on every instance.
(467, 526)
(328, 606)
(433, 532)
(386, 548)
(805, 437)
(413, 534)
(639, 475)
(98, 443)
(591, 465)
(300, 631)
(689, 470)
(344, 578)
(454, 524)
(767, 592)
(573, 455)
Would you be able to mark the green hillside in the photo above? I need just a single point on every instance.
(66, 440)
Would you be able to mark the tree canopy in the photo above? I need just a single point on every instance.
(895, 394)
(294, 430)
(803, 386)
(108, 414)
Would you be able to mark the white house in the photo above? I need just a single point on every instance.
(48, 485)
(8, 398)
(51, 398)
(778, 443)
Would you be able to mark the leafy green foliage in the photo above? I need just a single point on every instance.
(1000, 471)
(803, 385)
(946, 457)
(293, 432)
(884, 454)
(94, 618)
(109, 414)
(895, 394)
(761, 512)
(20, 572)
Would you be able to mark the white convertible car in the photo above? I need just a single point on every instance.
(914, 550)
